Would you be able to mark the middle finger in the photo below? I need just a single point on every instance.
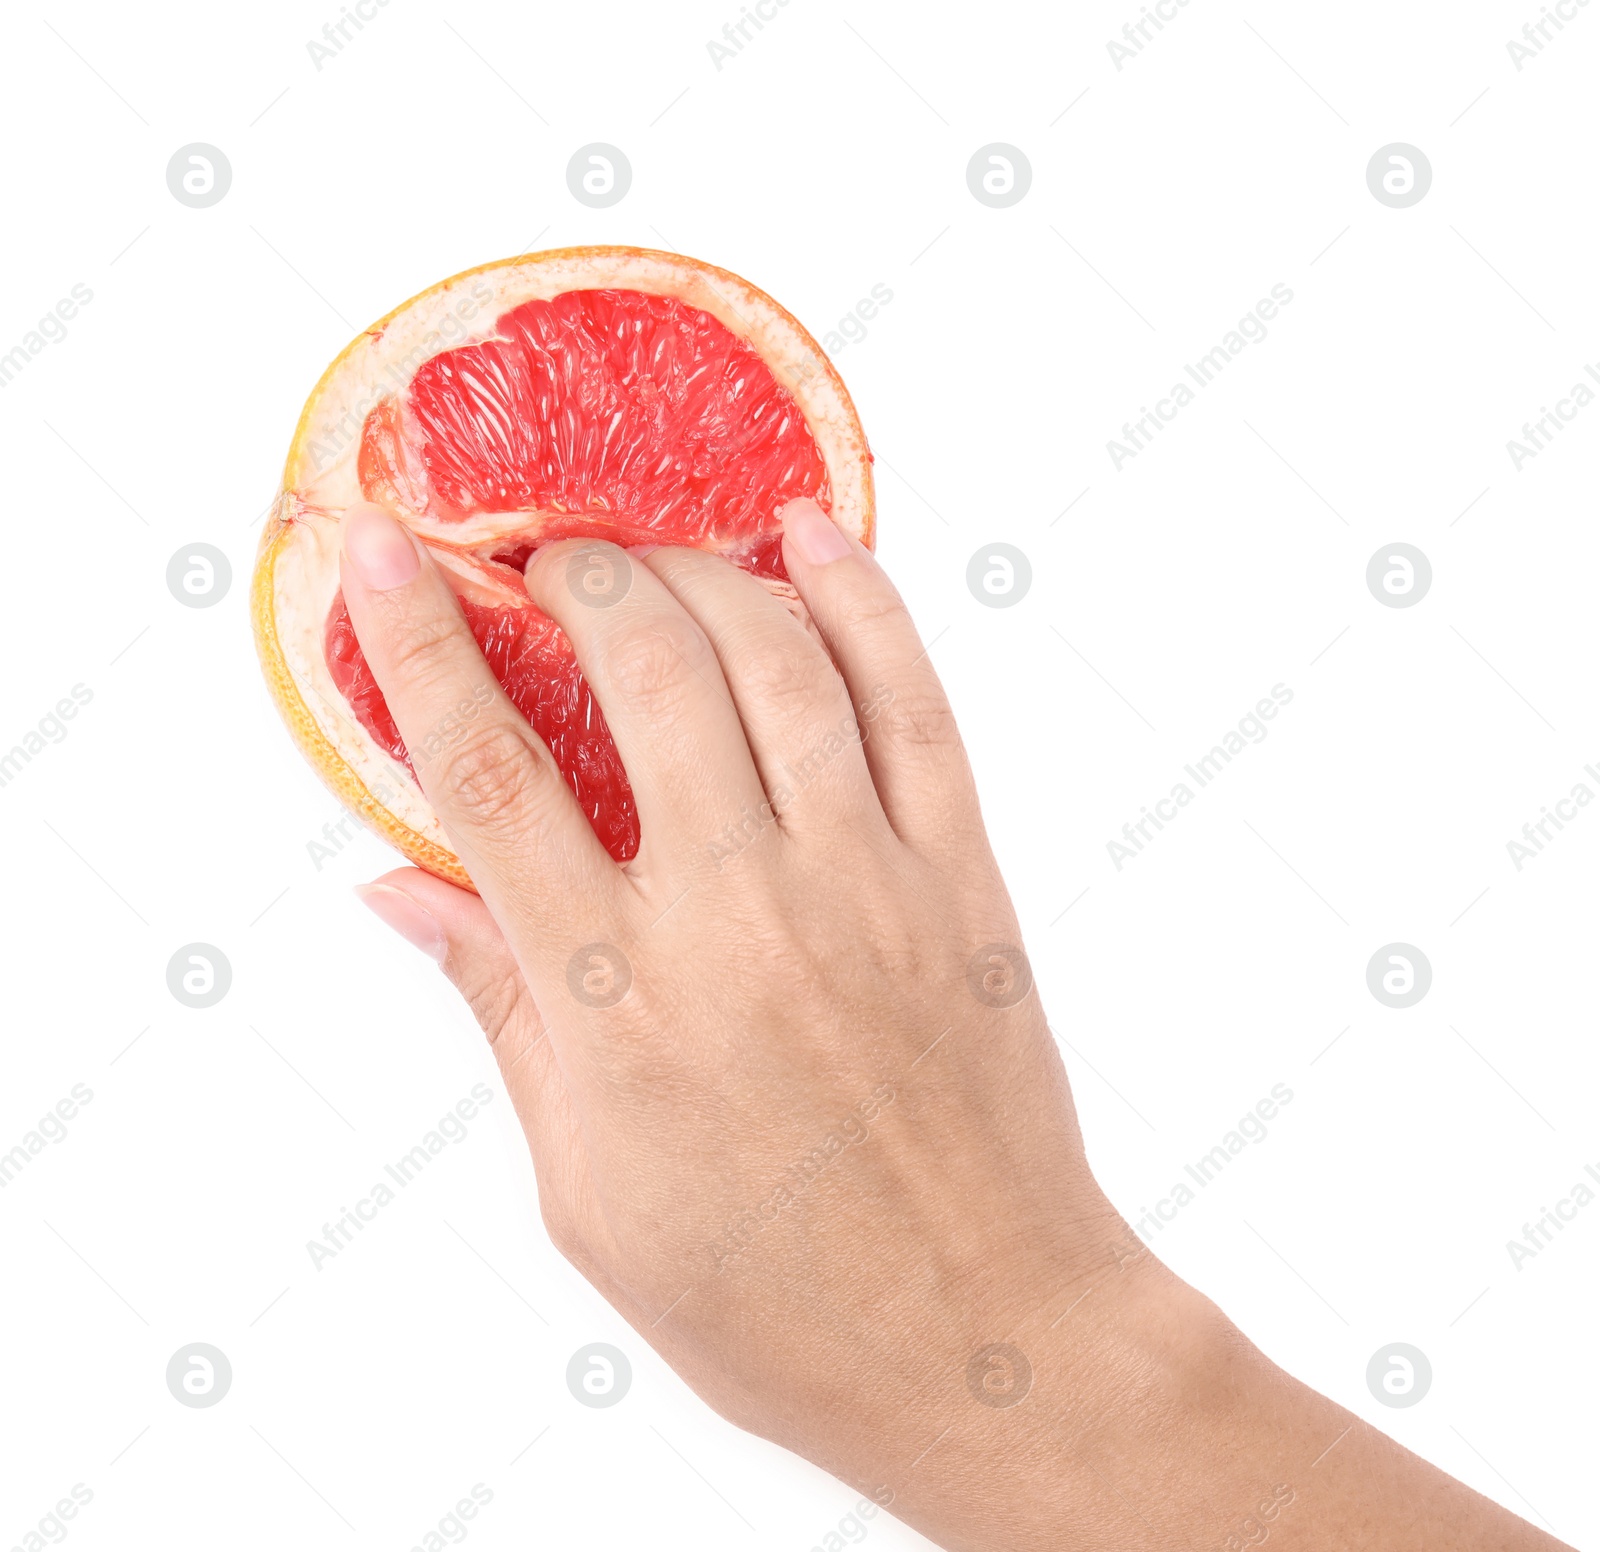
(661, 688)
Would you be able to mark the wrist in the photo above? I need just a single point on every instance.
(1141, 1419)
(1018, 1418)
(1055, 1425)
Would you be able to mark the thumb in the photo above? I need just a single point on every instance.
(455, 929)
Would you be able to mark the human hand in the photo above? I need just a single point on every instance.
(792, 1100)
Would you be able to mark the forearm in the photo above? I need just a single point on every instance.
(1151, 1422)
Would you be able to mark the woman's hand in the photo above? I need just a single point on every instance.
(793, 1103)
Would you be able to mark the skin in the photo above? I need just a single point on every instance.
(794, 1106)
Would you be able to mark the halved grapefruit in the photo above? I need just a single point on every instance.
(614, 393)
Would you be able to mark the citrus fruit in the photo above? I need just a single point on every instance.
(612, 393)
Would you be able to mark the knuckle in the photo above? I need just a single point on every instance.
(492, 779)
(786, 675)
(421, 648)
(497, 997)
(919, 719)
(655, 660)
(870, 610)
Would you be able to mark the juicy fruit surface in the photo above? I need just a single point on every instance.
(635, 405)
(595, 414)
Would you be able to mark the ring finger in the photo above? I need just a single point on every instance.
(661, 688)
(795, 708)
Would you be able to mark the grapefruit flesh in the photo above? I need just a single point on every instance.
(599, 414)
(639, 406)
(641, 397)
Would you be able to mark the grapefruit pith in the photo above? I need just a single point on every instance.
(615, 393)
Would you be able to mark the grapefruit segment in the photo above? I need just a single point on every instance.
(616, 403)
(639, 397)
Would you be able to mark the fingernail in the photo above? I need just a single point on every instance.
(379, 550)
(813, 533)
(539, 547)
(399, 911)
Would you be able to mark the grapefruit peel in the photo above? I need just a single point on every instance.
(294, 588)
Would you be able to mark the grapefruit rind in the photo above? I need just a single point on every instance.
(297, 566)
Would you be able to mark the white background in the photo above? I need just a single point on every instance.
(827, 157)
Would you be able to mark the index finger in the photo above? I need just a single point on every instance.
(514, 820)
